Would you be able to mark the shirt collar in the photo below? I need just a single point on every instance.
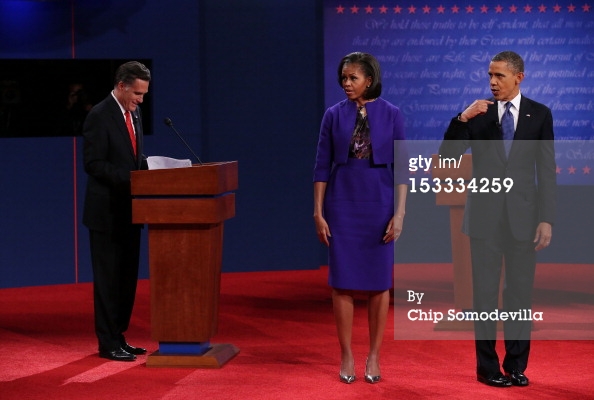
(116, 99)
(515, 101)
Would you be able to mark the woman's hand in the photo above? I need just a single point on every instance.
(322, 230)
(394, 229)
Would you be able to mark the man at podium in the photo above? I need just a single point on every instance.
(112, 148)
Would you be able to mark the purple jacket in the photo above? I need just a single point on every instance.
(386, 125)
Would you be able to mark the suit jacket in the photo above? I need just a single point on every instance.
(386, 125)
(108, 159)
(530, 164)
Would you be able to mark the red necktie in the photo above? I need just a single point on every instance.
(131, 131)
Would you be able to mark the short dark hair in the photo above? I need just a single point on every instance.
(513, 60)
(370, 67)
(128, 72)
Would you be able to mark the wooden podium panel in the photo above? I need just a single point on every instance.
(209, 210)
(181, 255)
(460, 242)
(200, 179)
(185, 209)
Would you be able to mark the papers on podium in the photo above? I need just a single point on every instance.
(159, 162)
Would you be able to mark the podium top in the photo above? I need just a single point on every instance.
(200, 179)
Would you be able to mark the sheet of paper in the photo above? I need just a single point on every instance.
(159, 162)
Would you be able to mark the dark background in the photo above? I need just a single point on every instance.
(45, 86)
(241, 81)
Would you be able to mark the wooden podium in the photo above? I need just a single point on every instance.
(185, 209)
(460, 242)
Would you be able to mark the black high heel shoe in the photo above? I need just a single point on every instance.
(371, 378)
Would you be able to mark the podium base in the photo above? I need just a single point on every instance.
(216, 357)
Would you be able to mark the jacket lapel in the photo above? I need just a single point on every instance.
(136, 120)
(120, 123)
(524, 117)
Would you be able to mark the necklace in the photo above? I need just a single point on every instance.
(362, 111)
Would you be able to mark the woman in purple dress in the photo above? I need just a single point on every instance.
(355, 211)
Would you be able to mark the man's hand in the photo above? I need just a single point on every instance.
(544, 233)
(476, 108)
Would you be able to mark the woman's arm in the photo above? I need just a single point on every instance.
(395, 225)
(322, 229)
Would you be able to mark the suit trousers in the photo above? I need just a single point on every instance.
(115, 259)
(488, 257)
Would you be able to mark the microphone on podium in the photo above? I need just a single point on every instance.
(169, 123)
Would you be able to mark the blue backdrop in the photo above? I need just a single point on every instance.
(215, 74)
(435, 56)
(242, 81)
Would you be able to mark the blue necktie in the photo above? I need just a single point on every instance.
(507, 126)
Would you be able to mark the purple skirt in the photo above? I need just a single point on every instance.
(358, 205)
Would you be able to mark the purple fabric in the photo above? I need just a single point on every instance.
(359, 198)
(358, 205)
(386, 124)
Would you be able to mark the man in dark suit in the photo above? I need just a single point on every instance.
(505, 227)
(112, 148)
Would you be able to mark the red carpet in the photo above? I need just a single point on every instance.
(282, 323)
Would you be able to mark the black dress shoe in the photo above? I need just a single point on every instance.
(117, 355)
(517, 378)
(497, 380)
(133, 350)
